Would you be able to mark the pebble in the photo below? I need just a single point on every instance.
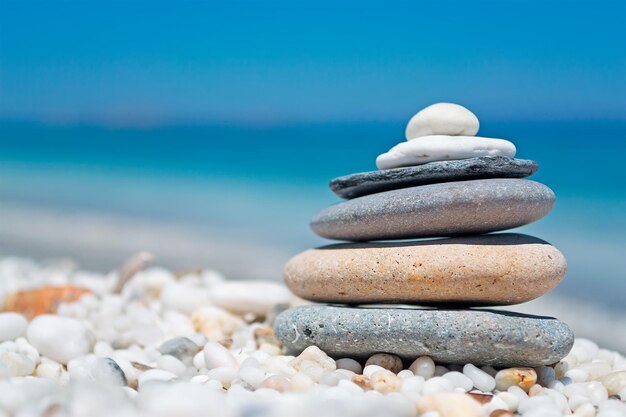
(15, 364)
(181, 348)
(511, 400)
(278, 383)
(365, 183)
(450, 405)
(243, 297)
(437, 210)
(423, 366)
(481, 379)
(171, 364)
(387, 361)
(12, 326)
(183, 297)
(614, 382)
(349, 364)
(595, 369)
(155, 375)
(50, 369)
(433, 148)
(497, 269)
(217, 356)
(92, 368)
(442, 119)
(480, 336)
(437, 384)
(60, 338)
(459, 380)
(215, 323)
(522, 377)
(385, 381)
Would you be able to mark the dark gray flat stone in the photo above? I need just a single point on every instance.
(446, 209)
(481, 337)
(364, 183)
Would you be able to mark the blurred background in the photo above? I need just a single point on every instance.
(207, 132)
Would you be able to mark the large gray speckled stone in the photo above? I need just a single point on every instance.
(364, 183)
(447, 209)
(481, 337)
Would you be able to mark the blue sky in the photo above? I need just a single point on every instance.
(137, 63)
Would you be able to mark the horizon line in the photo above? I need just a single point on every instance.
(164, 123)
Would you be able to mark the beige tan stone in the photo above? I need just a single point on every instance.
(498, 269)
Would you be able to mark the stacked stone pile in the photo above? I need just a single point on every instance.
(450, 189)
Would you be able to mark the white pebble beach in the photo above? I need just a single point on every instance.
(152, 350)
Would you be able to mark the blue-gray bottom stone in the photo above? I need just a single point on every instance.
(482, 337)
(437, 210)
(364, 183)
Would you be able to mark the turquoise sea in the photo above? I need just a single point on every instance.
(257, 186)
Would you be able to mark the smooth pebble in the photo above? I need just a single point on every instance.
(459, 380)
(442, 119)
(60, 338)
(481, 379)
(216, 355)
(434, 148)
(349, 364)
(423, 366)
(12, 326)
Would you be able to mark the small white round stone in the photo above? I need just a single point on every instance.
(12, 326)
(437, 384)
(92, 368)
(216, 355)
(423, 366)
(405, 373)
(50, 369)
(171, 364)
(59, 338)
(369, 370)
(349, 364)
(511, 400)
(443, 148)
(442, 119)
(459, 380)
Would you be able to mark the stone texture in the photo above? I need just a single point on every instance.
(496, 269)
(448, 209)
(481, 337)
(364, 183)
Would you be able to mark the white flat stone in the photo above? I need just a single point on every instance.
(443, 148)
(442, 119)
